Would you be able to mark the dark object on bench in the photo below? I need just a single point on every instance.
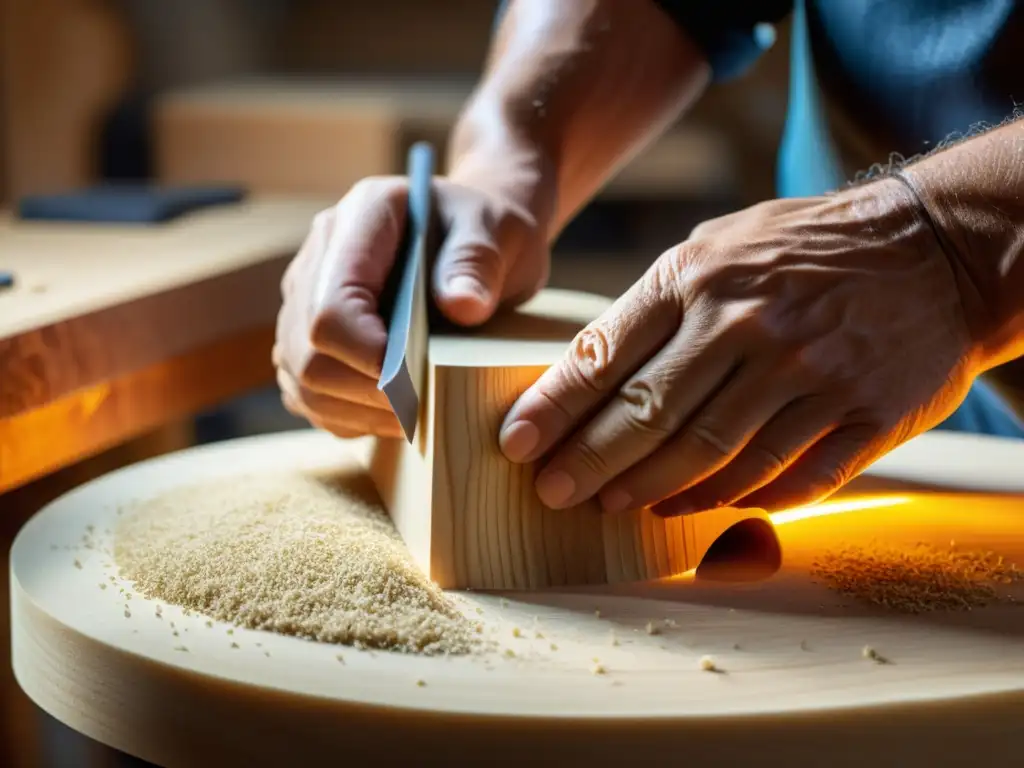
(126, 203)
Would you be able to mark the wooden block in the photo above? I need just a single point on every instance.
(473, 520)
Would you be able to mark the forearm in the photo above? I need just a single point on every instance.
(573, 89)
(974, 193)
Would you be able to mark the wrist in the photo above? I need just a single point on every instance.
(977, 225)
(490, 154)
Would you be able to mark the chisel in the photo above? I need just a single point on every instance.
(405, 355)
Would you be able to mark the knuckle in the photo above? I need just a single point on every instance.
(591, 357)
(324, 219)
(769, 462)
(763, 210)
(828, 478)
(307, 375)
(712, 436)
(670, 268)
(555, 404)
(643, 405)
(702, 230)
(826, 364)
(371, 190)
(679, 269)
(591, 458)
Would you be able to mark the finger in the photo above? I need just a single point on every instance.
(350, 421)
(469, 273)
(599, 359)
(293, 355)
(329, 377)
(360, 239)
(323, 405)
(822, 470)
(722, 405)
(778, 444)
(649, 408)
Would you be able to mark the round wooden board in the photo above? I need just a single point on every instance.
(793, 687)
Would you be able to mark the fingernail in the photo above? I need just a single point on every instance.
(672, 507)
(615, 500)
(518, 439)
(464, 285)
(555, 488)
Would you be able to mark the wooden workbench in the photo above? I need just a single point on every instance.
(112, 331)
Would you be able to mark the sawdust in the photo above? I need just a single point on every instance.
(297, 555)
(918, 579)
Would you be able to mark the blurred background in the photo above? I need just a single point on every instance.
(304, 97)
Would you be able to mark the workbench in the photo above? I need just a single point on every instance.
(112, 331)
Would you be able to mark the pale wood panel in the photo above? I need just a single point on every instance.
(793, 687)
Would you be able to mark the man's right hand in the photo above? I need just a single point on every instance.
(330, 337)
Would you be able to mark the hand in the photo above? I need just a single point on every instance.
(330, 337)
(764, 362)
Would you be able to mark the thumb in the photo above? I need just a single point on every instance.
(470, 273)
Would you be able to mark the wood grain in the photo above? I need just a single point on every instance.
(472, 519)
(107, 322)
(793, 687)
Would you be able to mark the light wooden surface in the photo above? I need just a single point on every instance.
(294, 136)
(472, 519)
(111, 331)
(793, 688)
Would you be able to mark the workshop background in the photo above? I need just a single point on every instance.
(304, 97)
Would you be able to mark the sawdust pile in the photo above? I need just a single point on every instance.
(918, 579)
(297, 555)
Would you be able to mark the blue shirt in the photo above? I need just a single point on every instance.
(869, 78)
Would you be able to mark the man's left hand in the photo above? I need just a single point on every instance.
(764, 362)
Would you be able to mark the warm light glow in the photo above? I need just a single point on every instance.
(836, 507)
